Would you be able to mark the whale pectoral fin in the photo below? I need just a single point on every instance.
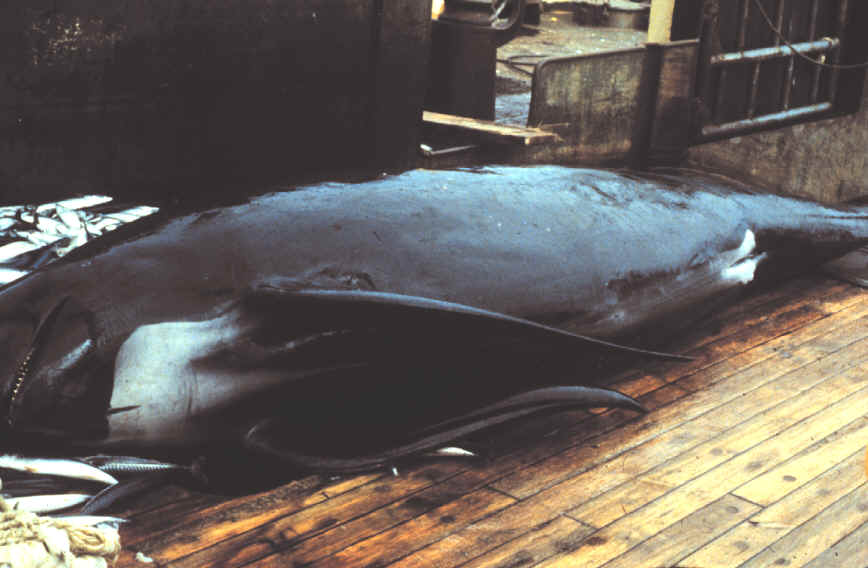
(270, 435)
(327, 310)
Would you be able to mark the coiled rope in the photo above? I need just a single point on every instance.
(64, 543)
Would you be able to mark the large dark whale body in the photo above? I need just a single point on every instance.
(359, 323)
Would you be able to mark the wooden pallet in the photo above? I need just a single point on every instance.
(753, 454)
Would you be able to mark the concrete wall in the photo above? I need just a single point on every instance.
(825, 160)
(163, 99)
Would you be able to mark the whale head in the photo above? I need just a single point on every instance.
(54, 384)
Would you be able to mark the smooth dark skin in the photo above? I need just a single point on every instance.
(589, 252)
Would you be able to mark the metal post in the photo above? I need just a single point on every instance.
(843, 10)
(779, 25)
(649, 87)
(754, 89)
(779, 19)
(812, 33)
(742, 33)
(791, 66)
(709, 45)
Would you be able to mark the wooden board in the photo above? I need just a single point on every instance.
(595, 95)
(490, 131)
(752, 454)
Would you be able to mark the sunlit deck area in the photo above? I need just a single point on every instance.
(752, 454)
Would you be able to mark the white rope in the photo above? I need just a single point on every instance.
(31, 540)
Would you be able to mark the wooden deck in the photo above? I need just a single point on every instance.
(753, 454)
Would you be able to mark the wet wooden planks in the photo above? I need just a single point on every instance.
(753, 454)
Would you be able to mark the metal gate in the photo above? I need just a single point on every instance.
(766, 63)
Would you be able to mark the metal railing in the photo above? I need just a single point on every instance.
(780, 108)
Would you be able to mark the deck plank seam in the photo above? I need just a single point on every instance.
(700, 545)
(626, 448)
(548, 521)
(750, 313)
(223, 507)
(757, 506)
(806, 451)
(508, 542)
(847, 496)
(623, 423)
(786, 332)
(678, 456)
(679, 487)
(409, 552)
(286, 544)
(832, 474)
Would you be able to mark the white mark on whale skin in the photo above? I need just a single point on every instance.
(747, 245)
(742, 272)
(741, 267)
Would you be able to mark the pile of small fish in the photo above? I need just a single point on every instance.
(79, 488)
(33, 235)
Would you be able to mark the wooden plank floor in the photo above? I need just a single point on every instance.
(753, 454)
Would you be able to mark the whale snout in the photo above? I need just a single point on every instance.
(16, 333)
(53, 381)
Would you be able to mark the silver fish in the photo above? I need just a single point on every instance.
(47, 503)
(59, 467)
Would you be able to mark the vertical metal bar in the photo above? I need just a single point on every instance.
(754, 89)
(742, 40)
(649, 89)
(779, 26)
(815, 81)
(812, 27)
(836, 56)
(709, 45)
(742, 33)
(791, 66)
(742, 30)
(779, 19)
(812, 33)
(754, 82)
(719, 99)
